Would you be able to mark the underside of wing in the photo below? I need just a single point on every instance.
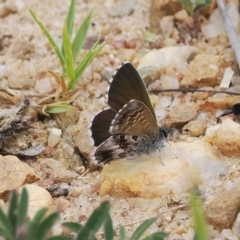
(100, 126)
(116, 147)
(134, 119)
(127, 85)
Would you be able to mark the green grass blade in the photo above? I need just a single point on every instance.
(70, 17)
(95, 221)
(46, 225)
(200, 225)
(81, 36)
(68, 54)
(142, 228)
(6, 234)
(49, 37)
(6, 229)
(108, 229)
(70, 20)
(73, 226)
(156, 236)
(93, 52)
(59, 238)
(35, 222)
(22, 208)
(12, 210)
(122, 233)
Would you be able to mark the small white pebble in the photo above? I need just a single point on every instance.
(54, 137)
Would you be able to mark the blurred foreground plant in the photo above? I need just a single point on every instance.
(15, 225)
(68, 53)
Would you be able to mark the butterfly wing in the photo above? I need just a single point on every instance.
(127, 85)
(135, 119)
(100, 126)
(119, 146)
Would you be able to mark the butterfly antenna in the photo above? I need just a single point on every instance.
(168, 145)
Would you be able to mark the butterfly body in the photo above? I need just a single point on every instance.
(129, 127)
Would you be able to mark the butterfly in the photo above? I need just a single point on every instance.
(129, 127)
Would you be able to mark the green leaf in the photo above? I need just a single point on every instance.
(49, 37)
(122, 233)
(108, 229)
(6, 234)
(142, 228)
(81, 36)
(156, 236)
(33, 225)
(22, 208)
(73, 226)
(70, 17)
(46, 225)
(12, 210)
(93, 52)
(94, 222)
(201, 232)
(68, 54)
(59, 238)
(56, 108)
(6, 229)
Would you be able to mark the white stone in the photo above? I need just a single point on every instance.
(38, 198)
(54, 137)
(168, 56)
(179, 166)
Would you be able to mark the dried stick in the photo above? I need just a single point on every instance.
(233, 38)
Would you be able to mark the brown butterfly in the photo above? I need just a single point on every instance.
(129, 127)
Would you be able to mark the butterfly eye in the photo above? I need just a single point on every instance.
(165, 133)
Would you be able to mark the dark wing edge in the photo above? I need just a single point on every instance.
(127, 85)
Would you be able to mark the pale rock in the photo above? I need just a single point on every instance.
(233, 13)
(66, 153)
(167, 24)
(205, 71)
(149, 74)
(106, 73)
(45, 82)
(7, 8)
(202, 95)
(54, 137)
(195, 128)
(168, 56)
(168, 82)
(14, 173)
(80, 170)
(159, 9)
(181, 15)
(38, 198)
(223, 210)
(62, 204)
(45, 85)
(180, 115)
(219, 101)
(226, 137)
(123, 8)
(59, 173)
(128, 54)
(175, 171)
(215, 25)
